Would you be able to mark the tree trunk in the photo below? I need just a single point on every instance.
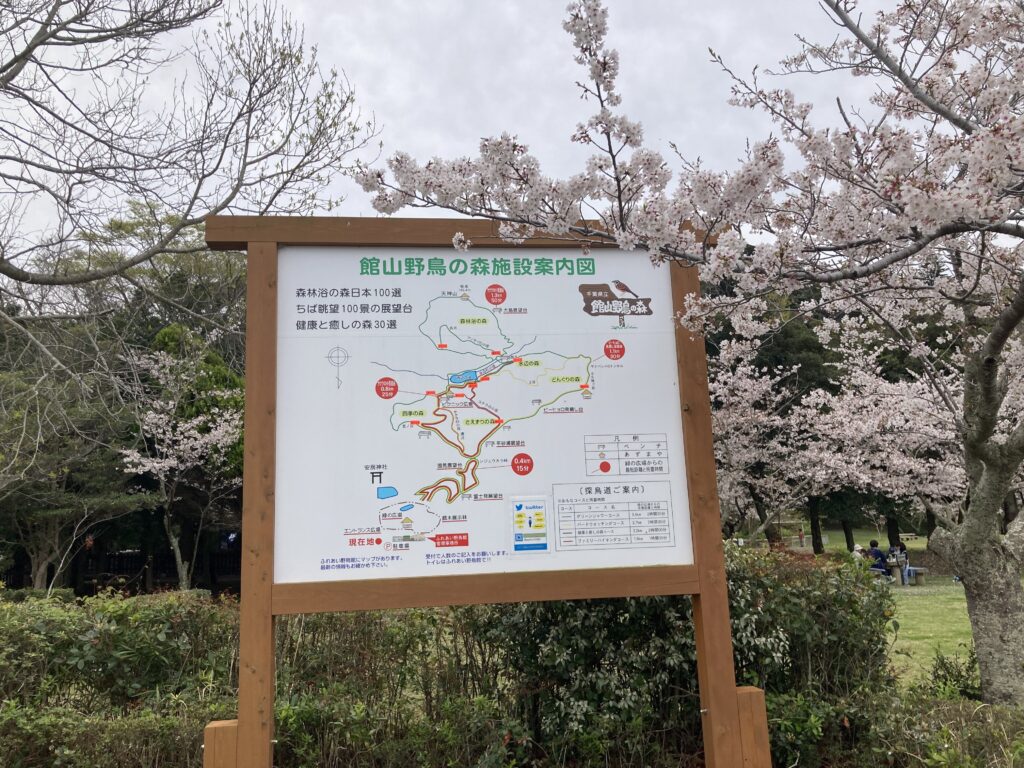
(813, 512)
(930, 521)
(848, 533)
(22, 564)
(892, 530)
(731, 522)
(771, 530)
(184, 578)
(1011, 510)
(995, 604)
(991, 571)
(41, 573)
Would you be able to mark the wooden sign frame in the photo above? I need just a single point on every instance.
(734, 720)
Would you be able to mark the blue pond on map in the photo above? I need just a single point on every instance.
(386, 492)
(462, 378)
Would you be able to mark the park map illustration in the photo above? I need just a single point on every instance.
(475, 415)
(506, 382)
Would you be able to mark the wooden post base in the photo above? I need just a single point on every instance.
(220, 744)
(220, 739)
(754, 728)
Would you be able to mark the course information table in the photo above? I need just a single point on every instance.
(603, 521)
(626, 454)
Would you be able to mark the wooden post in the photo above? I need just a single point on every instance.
(220, 744)
(256, 647)
(716, 673)
(757, 751)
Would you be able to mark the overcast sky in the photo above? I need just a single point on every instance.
(440, 75)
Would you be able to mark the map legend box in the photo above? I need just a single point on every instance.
(626, 454)
(617, 515)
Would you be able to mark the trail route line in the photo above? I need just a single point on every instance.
(493, 384)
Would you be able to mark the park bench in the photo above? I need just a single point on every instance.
(919, 575)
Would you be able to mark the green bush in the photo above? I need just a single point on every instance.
(131, 681)
(808, 624)
(602, 678)
(112, 650)
(942, 733)
(955, 677)
(58, 737)
(799, 725)
(385, 689)
(334, 729)
(28, 593)
(30, 670)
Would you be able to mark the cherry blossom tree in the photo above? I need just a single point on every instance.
(753, 437)
(189, 436)
(879, 442)
(781, 445)
(902, 213)
(878, 436)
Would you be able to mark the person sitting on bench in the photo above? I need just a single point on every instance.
(877, 558)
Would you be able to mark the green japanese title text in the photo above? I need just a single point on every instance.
(476, 266)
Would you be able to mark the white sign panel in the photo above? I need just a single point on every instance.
(490, 411)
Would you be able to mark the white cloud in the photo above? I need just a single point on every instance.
(441, 75)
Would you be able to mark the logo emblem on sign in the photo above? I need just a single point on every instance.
(600, 299)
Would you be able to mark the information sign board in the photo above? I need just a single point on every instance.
(478, 412)
(521, 423)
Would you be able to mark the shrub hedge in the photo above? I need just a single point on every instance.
(131, 681)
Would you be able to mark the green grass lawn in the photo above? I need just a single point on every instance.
(837, 542)
(931, 618)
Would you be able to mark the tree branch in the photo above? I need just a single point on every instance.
(879, 52)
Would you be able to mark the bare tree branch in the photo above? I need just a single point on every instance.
(878, 50)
